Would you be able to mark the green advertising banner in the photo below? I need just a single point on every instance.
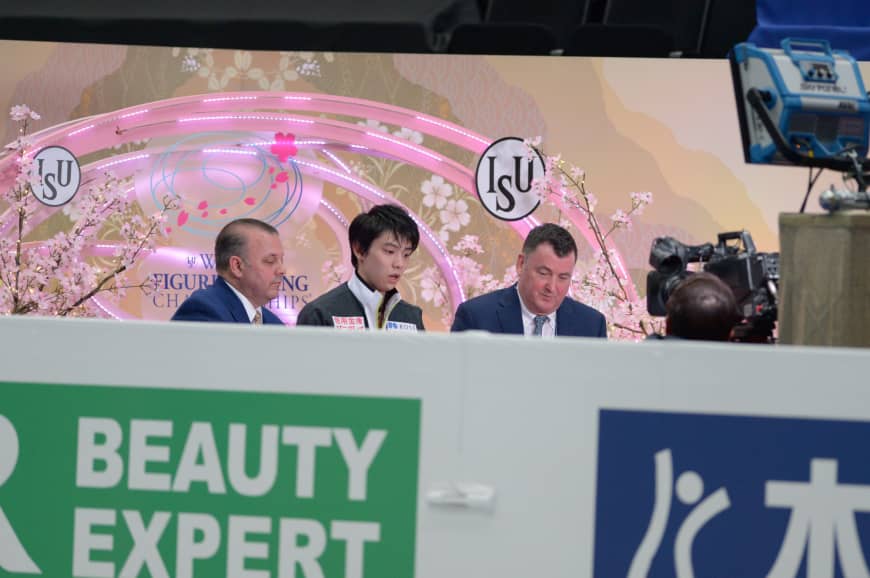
(104, 482)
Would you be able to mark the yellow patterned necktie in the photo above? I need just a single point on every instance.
(258, 318)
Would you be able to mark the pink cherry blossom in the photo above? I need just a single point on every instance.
(55, 276)
(621, 219)
(433, 289)
(455, 215)
(372, 124)
(468, 244)
(22, 112)
(284, 146)
(409, 134)
(602, 284)
(436, 192)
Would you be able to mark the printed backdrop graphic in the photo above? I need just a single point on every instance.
(683, 495)
(308, 140)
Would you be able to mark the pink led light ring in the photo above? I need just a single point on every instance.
(244, 111)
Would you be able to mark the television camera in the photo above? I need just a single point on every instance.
(751, 275)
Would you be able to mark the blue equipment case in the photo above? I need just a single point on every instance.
(815, 97)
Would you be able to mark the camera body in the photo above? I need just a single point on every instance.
(752, 276)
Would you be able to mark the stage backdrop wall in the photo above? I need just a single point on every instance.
(308, 140)
(222, 450)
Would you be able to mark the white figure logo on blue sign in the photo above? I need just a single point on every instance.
(689, 489)
(785, 497)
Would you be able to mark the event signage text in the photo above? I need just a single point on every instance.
(103, 482)
(173, 286)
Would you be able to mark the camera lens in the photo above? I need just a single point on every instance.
(671, 265)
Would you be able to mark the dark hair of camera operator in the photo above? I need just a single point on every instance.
(702, 307)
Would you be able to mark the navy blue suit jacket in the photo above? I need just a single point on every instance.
(218, 303)
(500, 312)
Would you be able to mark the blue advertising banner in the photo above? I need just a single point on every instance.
(722, 496)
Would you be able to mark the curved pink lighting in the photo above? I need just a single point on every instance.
(266, 112)
(339, 224)
(132, 162)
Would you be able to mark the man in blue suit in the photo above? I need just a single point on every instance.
(538, 304)
(249, 259)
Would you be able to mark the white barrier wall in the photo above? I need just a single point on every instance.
(424, 455)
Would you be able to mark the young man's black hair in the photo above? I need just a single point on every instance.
(366, 227)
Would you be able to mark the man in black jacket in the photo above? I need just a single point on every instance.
(381, 241)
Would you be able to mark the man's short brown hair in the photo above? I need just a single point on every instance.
(702, 307)
(231, 241)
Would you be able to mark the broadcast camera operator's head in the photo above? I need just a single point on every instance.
(702, 307)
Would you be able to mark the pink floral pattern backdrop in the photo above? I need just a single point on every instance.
(307, 140)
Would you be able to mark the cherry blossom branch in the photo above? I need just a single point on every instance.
(579, 183)
(53, 277)
(125, 261)
(564, 185)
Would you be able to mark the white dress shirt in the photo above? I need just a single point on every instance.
(249, 307)
(549, 328)
(371, 300)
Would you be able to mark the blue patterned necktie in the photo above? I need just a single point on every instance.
(539, 325)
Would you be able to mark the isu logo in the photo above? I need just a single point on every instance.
(56, 176)
(505, 174)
